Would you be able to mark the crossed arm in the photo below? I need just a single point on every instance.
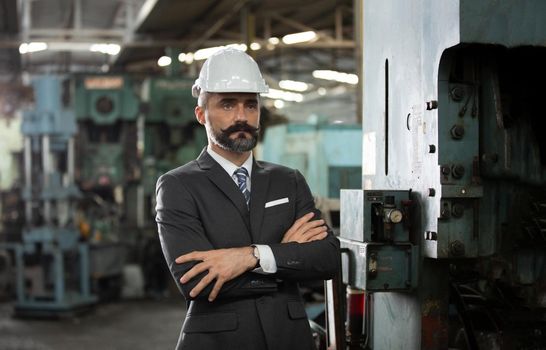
(226, 264)
(307, 250)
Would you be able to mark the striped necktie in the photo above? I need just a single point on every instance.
(242, 175)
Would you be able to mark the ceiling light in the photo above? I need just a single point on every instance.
(321, 91)
(110, 49)
(182, 57)
(255, 46)
(32, 47)
(293, 85)
(278, 104)
(284, 95)
(203, 54)
(273, 40)
(299, 37)
(164, 61)
(336, 76)
(106, 48)
(189, 58)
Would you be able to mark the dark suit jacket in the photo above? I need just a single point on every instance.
(199, 207)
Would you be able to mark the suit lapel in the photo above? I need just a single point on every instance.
(225, 184)
(259, 187)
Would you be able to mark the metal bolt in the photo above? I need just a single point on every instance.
(457, 171)
(490, 158)
(457, 210)
(457, 93)
(432, 105)
(457, 132)
(431, 192)
(456, 248)
(431, 149)
(445, 213)
(445, 170)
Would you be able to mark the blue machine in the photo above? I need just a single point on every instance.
(328, 155)
(52, 264)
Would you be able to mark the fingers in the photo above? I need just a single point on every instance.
(194, 271)
(205, 281)
(310, 225)
(293, 230)
(310, 234)
(216, 289)
(301, 221)
(193, 256)
(319, 237)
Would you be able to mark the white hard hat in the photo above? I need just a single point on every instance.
(230, 70)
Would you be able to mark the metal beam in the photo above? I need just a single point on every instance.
(334, 44)
(299, 26)
(57, 33)
(217, 25)
(145, 10)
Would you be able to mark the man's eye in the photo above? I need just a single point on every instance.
(227, 106)
(252, 106)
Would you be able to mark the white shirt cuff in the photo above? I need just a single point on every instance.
(267, 260)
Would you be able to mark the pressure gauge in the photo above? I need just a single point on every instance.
(394, 215)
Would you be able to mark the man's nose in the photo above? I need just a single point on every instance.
(240, 112)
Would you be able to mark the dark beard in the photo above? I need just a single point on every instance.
(241, 143)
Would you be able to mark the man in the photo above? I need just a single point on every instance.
(238, 234)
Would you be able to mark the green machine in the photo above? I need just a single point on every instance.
(108, 170)
(106, 111)
(172, 137)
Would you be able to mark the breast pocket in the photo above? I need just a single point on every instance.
(277, 209)
(210, 322)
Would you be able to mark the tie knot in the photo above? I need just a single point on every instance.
(241, 171)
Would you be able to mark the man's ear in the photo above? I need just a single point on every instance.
(200, 115)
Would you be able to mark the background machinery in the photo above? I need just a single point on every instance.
(445, 243)
(171, 138)
(108, 167)
(319, 152)
(52, 263)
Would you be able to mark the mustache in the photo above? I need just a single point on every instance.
(241, 126)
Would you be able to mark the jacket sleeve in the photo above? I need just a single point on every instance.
(307, 261)
(181, 232)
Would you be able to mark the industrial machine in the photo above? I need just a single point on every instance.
(320, 152)
(328, 155)
(172, 136)
(108, 163)
(444, 245)
(52, 264)
(106, 109)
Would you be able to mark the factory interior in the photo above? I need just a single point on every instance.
(416, 124)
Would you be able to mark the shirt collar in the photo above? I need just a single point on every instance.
(227, 165)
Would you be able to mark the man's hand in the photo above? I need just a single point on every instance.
(303, 230)
(222, 265)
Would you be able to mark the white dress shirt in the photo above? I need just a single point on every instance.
(267, 259)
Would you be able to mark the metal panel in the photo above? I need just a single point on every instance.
(413, 114)
(381, 267)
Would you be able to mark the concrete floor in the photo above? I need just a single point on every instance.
(135, 325)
